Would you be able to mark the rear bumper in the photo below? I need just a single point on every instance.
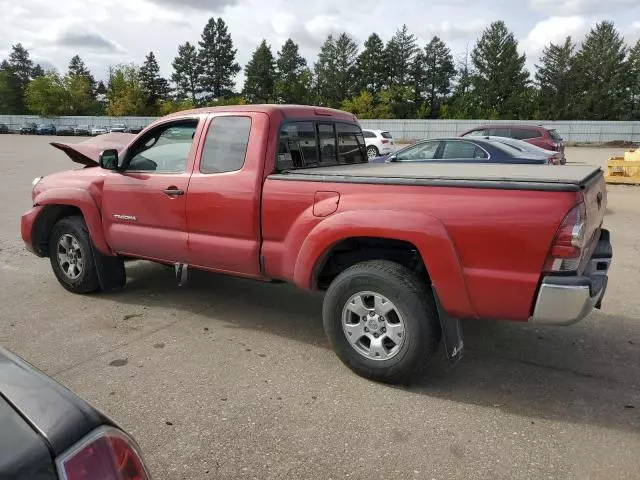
(567, 300)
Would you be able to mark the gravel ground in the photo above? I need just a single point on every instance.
(228, 378)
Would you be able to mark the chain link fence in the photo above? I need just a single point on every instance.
(402, 130)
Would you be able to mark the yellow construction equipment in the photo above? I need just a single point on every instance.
(624, 169)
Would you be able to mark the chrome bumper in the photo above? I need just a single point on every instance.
(567, 300)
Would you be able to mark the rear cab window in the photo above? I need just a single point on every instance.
(307, 144)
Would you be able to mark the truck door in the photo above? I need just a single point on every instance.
(144, 204)
(223, 201)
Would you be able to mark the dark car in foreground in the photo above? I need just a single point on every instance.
(476, 150)
(28, 129)
(47, 432)
(46, 129)
(3, 128)
(537, 135)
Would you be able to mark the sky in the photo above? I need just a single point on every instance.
(109, 32)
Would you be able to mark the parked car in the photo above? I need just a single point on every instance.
(98, 131)
(137, 129)
(455, 149)
(379, 142)
(119, 128)
(28, 129)
(4, 128)
(53, 434)
(46, 129)
(65, 130)
(402, 250)
(554, 158)
(539, 136)
(82, 130)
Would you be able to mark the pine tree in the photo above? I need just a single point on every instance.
(21, 64)
(154, 87)
(37, 71)
(633, 75)
(501, 79)
(260, 72)
(439, 73)
(553, 76)
(11, 94)
(335, 70)
(186, 71)
(217, 59)
(399, 53)
(371, 66)
(78, 68)
(598, 75)
(293, 76)
(462, 103)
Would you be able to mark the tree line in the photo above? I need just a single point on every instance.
(597, 78)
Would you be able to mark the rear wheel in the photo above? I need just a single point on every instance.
(71, 256)
(372, 151)
(381, 321)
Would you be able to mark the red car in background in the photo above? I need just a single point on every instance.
(534, 134)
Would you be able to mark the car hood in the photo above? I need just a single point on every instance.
(88, 152)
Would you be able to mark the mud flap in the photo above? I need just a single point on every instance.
(111, 272)
(451, 333)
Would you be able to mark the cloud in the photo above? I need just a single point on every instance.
(571, 7)
(456, 30)
(75, 38)
(201, 5)
(554, 30)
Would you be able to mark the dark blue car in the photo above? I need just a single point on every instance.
(46, 129)
(462, 150)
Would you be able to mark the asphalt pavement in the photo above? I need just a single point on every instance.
(228, 378)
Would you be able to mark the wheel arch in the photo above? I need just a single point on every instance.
(61, 203)
(413, 239)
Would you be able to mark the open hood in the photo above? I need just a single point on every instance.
(88, 152)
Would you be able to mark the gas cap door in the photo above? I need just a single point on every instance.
(325, 203)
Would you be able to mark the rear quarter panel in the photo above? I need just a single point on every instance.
(484, 248)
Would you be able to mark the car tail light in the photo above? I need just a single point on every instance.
(384, 140)
(568, 244)
(554, 160)
(105, 454)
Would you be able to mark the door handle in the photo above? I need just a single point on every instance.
(174, 192)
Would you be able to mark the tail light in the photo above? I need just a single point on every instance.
(105, 454)
(384, 140)
(569, 242)
(554, 160)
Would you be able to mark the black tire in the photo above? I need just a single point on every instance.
(87, 280)
(372, 151)
(412, 298)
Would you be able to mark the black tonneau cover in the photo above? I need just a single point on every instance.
(481, 175)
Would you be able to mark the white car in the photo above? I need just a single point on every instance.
(98, 131)
(379, 142)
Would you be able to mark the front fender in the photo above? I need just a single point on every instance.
(425, 232)
(81, 199)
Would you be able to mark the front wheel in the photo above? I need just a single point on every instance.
(372, 152)
(381, 321)
(71, 256)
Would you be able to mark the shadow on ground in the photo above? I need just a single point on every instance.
(583, 374)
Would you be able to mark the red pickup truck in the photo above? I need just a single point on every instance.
(285, 193)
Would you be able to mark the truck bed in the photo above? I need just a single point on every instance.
(510, 177)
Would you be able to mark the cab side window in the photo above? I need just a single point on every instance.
(164, 149)
(225, 147)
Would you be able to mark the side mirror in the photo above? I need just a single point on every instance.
(109, 159)
(393, 158)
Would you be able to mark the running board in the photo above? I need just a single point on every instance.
(182, 273)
